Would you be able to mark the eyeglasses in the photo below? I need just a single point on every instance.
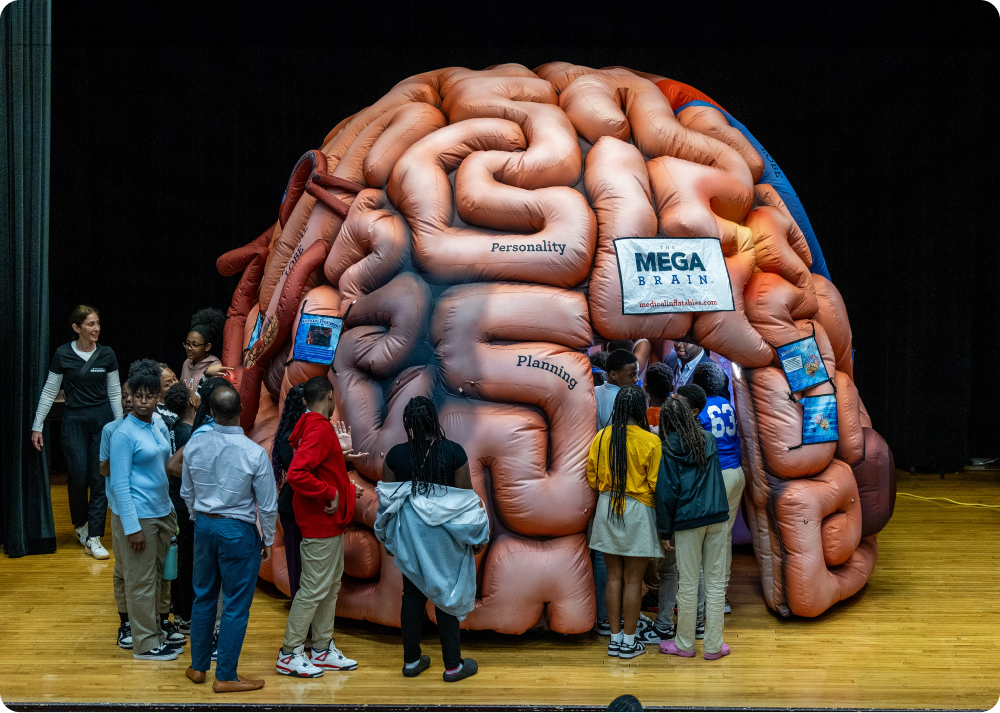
(189, 345)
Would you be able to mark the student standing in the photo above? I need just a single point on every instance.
(691, 508)
(228, 486)
(623, 466)
(281, 460)
(434, 524)
(658, 385)
(205, 333)
(184, 402)
(139, 454)
(719, 417)
(324, 505)
(88, 373)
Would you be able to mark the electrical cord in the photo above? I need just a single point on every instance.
(949, 500)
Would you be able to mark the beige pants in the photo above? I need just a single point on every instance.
(119, 543)
(703, 548)
(735, 481)
(316, 601)
(143, 575)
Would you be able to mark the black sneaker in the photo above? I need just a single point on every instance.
(215, 647)
(423, 663)
(654, 635)
(469, 668)
(630, 652)
(603, 627)
(183, 625)
(729, 608)
(160, 653)
(170, 633)
(614, 647)
(125, 636)
(699, 629)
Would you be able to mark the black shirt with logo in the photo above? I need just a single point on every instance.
(84, 387)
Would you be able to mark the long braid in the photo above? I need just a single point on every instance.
(420, 420)
(294, 408)
(630, 402)
(675, 417)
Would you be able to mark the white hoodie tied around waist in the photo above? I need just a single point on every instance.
(431, 537)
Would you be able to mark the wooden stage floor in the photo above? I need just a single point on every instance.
(924, 633)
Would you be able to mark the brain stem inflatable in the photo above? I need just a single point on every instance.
(465, 225)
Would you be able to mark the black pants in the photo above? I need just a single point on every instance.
(182, 588)
(293, 538)
(412, 621)
(81, 444)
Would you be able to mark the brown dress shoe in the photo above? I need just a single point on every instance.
(196, 676)
(240, 684)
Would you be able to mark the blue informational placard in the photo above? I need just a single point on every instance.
(317, 337)
(256, 330)
(819, 420)
(803, 364)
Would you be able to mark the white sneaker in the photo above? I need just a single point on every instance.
(95, 548)
(160, 653)
(81, 533)
(332, 659)
(296, 664)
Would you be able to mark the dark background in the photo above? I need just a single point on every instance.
(175, 130)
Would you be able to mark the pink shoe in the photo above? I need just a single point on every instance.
(669, 647)
(724, 652)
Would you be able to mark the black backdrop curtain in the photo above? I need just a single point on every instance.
(182, 122)
(25, 64)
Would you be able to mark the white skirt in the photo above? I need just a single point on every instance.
(636, 537)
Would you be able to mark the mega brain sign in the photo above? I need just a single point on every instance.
(464, 226)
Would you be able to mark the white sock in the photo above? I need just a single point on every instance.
(629, 639)
(414, 664)
(617, 638)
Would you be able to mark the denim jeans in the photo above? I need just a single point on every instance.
(227, 557)
(600, 583)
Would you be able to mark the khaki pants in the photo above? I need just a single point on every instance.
(143, 575)
(703, 548)
(119, 543)
(735, 481)
(316, 601)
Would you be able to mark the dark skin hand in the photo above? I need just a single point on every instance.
(463, 479)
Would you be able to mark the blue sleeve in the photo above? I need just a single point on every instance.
(122, 449)
(105, 453)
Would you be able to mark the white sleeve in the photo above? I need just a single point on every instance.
(115, 393)
(48, 397)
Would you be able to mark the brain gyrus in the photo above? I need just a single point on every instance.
(467, 221)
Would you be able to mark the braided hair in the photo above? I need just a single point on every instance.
(290, 415)
(677, 418)
(629, 403)
(420, 419)
(205, 391)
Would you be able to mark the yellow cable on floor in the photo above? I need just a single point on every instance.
(970, 505)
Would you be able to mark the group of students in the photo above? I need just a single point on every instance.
(180, 469)
(666, 465)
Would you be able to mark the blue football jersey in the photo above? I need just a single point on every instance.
(719, 418)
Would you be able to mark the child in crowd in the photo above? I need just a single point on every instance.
(281, 460)
(658, 385)
(622, 466)
(184, 402)
(324, 505)
(598, 367)
(719, 417)
(692, 511)
(206, 332)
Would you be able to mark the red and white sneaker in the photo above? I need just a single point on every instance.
(296, 664)
(332, 659)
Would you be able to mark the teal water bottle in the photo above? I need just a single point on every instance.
(170, 563)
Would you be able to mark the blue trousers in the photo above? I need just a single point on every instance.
(227, 556)
(600, 582)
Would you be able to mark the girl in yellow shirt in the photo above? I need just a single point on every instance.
(623, 464)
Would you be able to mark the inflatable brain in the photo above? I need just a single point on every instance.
(467, 220)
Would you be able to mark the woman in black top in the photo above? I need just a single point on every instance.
(88, 373)
(183, 402)
(428, 459)
(281, 459)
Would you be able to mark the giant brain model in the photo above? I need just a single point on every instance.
(467, 219)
